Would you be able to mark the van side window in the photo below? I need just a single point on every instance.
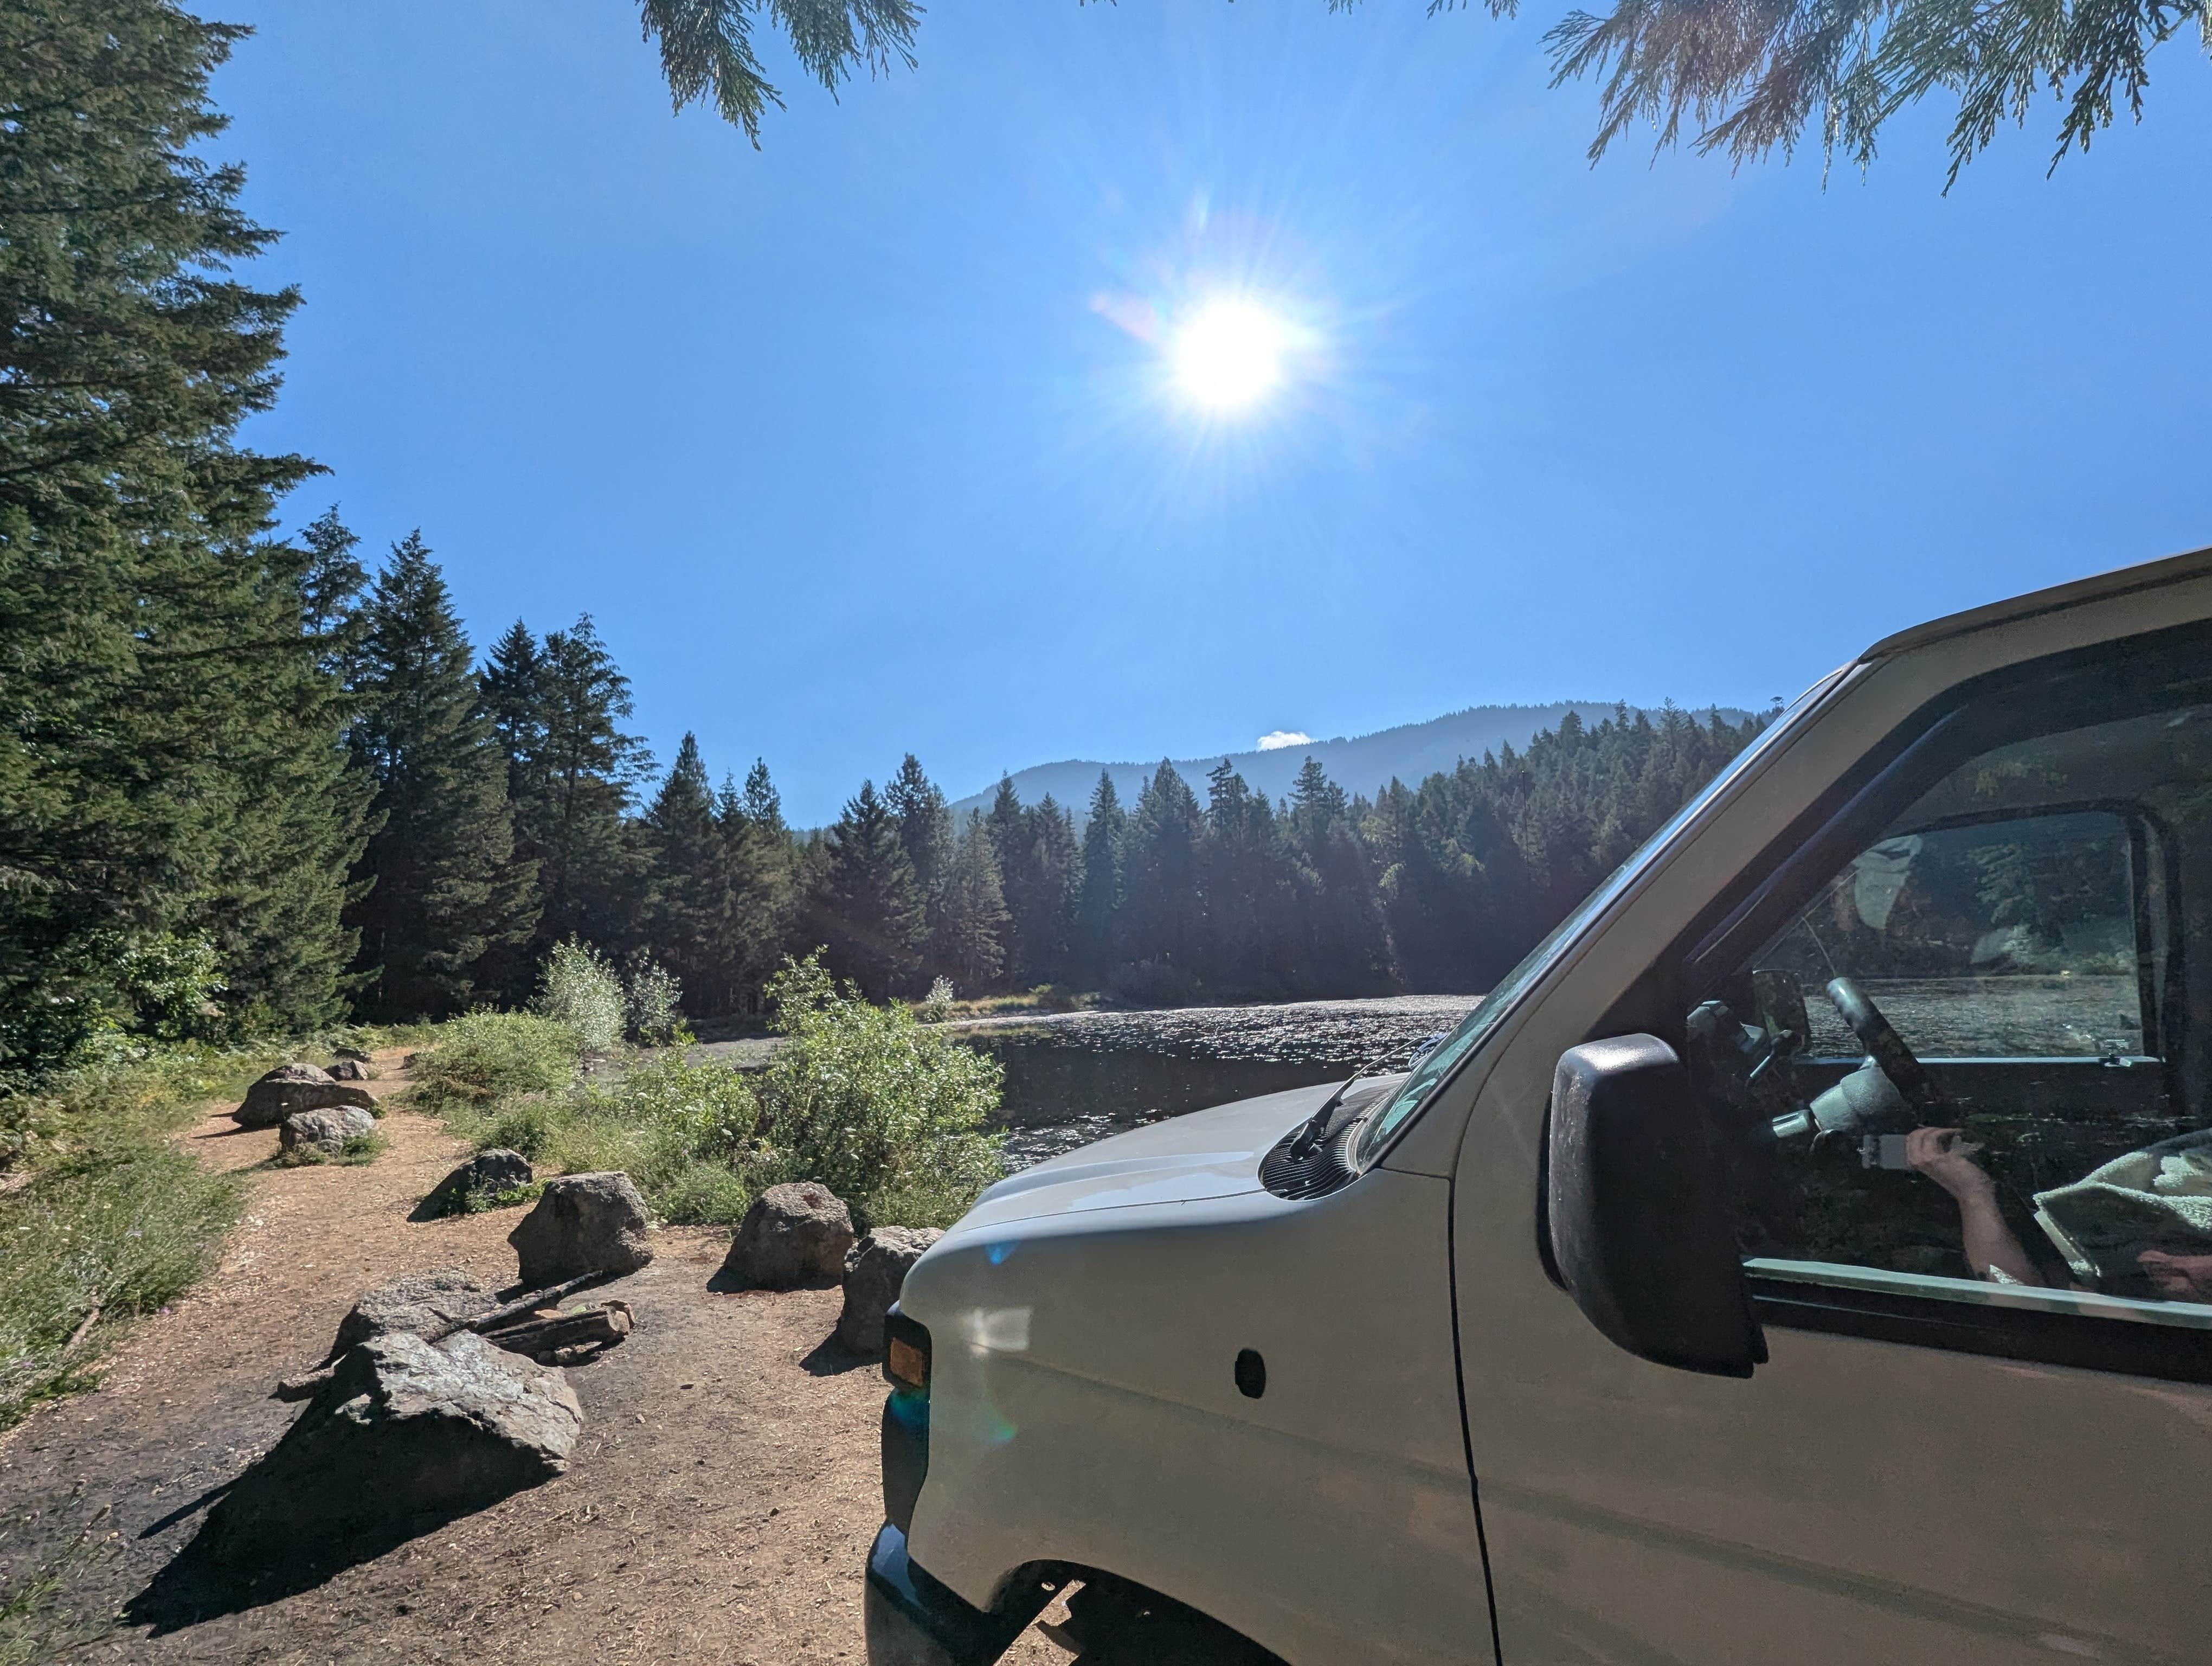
(1962, 1069)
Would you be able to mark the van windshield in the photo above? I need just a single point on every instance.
(1444, 1059)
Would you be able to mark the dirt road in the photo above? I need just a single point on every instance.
(717, 1507)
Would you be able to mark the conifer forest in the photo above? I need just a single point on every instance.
(257, 778)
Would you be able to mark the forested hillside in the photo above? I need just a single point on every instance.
(254, 782)
(1361, 764)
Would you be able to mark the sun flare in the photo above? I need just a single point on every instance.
(1229, 354)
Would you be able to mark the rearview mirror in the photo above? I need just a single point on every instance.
(1637, 1208)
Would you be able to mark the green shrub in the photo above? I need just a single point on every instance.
(579, 988)
(886, 1112)
(524, 1125)
(652, 999)
(473, 1062)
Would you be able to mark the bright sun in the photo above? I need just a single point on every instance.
(1229, 354)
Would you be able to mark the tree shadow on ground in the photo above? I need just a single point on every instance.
(726, 1283)
(832, 1357)
(221, 1572)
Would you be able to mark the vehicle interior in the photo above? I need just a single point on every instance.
(2006, 978)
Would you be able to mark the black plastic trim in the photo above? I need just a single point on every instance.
(912, 1620)
(904, 1430)
(2168, 1353)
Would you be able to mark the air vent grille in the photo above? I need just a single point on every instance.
(1315, 1174)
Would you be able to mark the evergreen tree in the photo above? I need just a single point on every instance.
(1346, 949)
(330, 584)
(867, 907)
(440, 883)
(974, 921)
(1038, 855)
(762, 884)
(514, 702)
(576, 781)
(1246, 876)
(160, 663)
(924, 829)
(1098, 903)
(1162, 910)
(687, 915)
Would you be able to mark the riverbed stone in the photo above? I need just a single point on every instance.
(405, 1436)
(294, 1087)
(583, 1223)
(419, 1304)
(874, 1273)
(795, 1234)
(324, 1131)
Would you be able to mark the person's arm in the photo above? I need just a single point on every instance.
(1946, 1158)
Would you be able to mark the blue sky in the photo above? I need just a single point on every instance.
(849, 446)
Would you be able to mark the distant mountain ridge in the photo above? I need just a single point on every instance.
(1360, 763)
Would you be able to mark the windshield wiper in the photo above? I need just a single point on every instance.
(1316, 1125)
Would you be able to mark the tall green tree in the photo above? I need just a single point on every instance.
(1094, 936)
(764, 883)
(160, 661)
(687, 916)
(1042, 876)
(925, 830)
(574, 772)
(1163, 908)
(1346, 947)
(971, 934)
(440, 884)
(868, 909)
(1252, 940)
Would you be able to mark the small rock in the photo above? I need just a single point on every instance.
(405, 1436)
(327, 1131)
(350, 1070)
(420, 1304)
(498, 1170)
(874, 1272)
(583, 1223)
(793, 1235)
(294, 1087)
(351, 1054)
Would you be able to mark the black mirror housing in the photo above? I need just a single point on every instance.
(1637, 1208)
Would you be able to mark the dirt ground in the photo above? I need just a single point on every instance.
(718, 1507)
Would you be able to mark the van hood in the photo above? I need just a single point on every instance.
(1207, 1154)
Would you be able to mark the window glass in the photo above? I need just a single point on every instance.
(1963, 1063)
(1441, 1061)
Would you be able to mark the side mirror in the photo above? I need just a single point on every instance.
(1637, 1207)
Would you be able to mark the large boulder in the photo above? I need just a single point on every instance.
(874, 1273)
(793, 1235)
(421, 1304)
(324, 1131)
(296, 1087)
(583, 1223)
(485, 1174)
(405, 1436)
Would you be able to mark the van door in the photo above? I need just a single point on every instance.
(1955, 1034)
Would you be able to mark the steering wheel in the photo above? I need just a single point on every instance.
(1887, 1048)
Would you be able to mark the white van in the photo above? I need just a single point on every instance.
(1804, 1255)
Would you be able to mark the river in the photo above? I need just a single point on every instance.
(1072, 1078)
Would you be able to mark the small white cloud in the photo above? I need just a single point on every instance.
(1282, 737)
